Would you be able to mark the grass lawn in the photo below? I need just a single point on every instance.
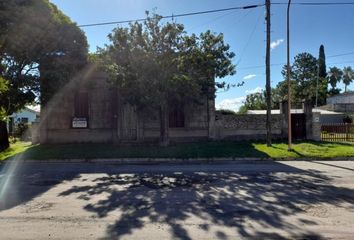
(190, 150)
(14, 149)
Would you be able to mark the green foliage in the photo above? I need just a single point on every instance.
(3, 90)
(348, 76)
(242, 110)
(220, 149)
(335, 76)
(280, 92)
(257, 101)
(225, 112)
(153, 64)
(304, 73)
(40, 50)
(38, 43)
(21, 131)
(322, 72)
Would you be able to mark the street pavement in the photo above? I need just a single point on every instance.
(255, 200)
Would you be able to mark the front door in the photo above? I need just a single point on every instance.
(129, 123)
(298, 126)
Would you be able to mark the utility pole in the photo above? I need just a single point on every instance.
(268, 90)
(288, 75)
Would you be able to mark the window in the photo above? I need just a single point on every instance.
(81, 105)
(24, 120)
(176, 116)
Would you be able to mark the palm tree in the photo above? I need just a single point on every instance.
(348, 76)
(334, 76)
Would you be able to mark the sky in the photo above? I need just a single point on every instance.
(244, 31)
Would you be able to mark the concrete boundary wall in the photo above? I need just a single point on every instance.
(248, 126)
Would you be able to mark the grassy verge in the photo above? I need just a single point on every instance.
(15, 148)
(190, 150)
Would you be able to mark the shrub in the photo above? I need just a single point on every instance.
(226, 112)
(22, 131)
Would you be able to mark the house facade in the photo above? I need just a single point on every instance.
(89, 109)
(343, 102)
(28, 115)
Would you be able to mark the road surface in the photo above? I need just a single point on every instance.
(257, 200)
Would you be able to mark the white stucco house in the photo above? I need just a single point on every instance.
(343, 102)
(344, 98)
(28, 115)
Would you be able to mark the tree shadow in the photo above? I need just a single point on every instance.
(228, 199)
(20, 183)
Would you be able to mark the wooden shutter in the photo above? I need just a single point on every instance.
(81, 104)
(176, 117)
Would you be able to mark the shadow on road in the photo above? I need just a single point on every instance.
(227, 199)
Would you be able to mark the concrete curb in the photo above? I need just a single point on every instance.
(152, 161)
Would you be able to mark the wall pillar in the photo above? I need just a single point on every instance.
(43, 125)
(316, 126)
(211, 119)
(284, 124)
(307, 107)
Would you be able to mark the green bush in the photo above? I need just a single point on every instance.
(226, 112)
(22, 131)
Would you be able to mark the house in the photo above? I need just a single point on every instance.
(343, 102)
(326, 116)
(89, 109)
(28, 115)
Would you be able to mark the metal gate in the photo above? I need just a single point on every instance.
(338, 132)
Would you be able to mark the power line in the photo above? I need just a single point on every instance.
(174, 16)
(249, 40)
(316, 3)
(338, 55)
(280, 64)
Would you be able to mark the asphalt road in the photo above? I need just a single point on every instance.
(258, 200)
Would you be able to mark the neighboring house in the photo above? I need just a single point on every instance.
(89, 109)
(326, 116)
(343, 102)
(28, 115)
(342, 98)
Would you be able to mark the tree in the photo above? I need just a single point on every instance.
(322, 70)
(280, 92)
(304, 74)
(154, 64)
(4, 140)
(36, 39)
(334, 77)
(256, 101)
(348, 77)
(322, 83)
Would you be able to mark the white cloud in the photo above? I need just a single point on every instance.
(249, 76)
(232, 103)
(256, 90)
(276, 43)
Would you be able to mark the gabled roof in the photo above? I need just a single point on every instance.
(36, 109)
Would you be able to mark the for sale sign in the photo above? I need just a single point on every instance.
(79, 123)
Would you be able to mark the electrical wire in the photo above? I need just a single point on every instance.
(174, 15)
(249, 39)
(338, 55)
(316, 3)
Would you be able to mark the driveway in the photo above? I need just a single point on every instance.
(258, 200)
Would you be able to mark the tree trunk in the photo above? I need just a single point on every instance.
(4, 137)
(164, 139)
